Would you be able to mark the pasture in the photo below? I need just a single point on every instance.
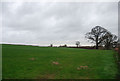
(33, 62)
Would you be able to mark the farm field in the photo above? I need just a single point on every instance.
(33, 62)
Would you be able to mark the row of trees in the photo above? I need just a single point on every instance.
(102, 37)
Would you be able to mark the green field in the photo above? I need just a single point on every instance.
(32, 62)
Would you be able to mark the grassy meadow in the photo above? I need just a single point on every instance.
(33, 62)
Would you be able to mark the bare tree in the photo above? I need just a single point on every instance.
(96, 35)
(77, 43)
(65, 45)
(110, 40)
(51, 45)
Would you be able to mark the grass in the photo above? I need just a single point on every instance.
(17, 63)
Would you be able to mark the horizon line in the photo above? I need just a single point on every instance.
(42, 45)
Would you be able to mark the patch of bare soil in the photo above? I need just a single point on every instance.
(46, 76)
(55, 63)
(32, 59)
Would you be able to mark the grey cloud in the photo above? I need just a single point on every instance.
(58, 23)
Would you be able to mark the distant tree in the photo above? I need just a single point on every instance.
(96, 35)
(65, 45)
(77, 43)
(51, 45)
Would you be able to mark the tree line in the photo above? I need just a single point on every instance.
(101, 37)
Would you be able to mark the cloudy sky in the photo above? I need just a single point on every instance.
(55, 23)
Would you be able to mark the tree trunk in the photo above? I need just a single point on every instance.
(77, 46)
(96, 45)
(97, 42)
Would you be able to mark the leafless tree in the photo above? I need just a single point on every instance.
(110, 40)
(96, 35)
(77, 43)
(51, 45)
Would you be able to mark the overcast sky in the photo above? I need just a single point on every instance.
(55, 23)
